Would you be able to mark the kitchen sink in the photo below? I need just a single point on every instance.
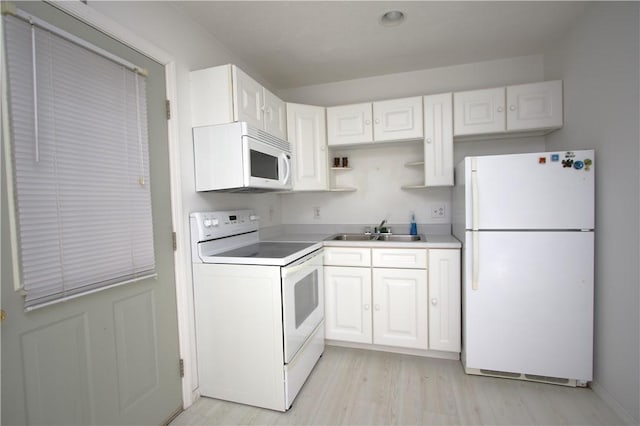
(403, 238)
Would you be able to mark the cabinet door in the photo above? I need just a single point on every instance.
(275, 115)
(211, 96)
(479, 111)
(400, 307)
(444, 300)
(397, 119)
(247, 99)
(534, 106)
(349, 124)
(308, 137)
(438, 140)
(347, 304)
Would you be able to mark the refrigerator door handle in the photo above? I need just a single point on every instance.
(475, 265)
(475, 218)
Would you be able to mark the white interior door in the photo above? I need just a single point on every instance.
(532, 309)
(110, 357)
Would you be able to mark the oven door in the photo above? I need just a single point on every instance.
(266, 166)
(302, 301)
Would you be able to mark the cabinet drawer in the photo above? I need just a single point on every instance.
(399, 258)
(347, 256)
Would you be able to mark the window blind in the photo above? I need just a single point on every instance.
(80, 155)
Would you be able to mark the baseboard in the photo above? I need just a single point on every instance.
(614, 405)
(455, 356)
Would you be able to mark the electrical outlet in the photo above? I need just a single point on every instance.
(316, 212)
(438, 211)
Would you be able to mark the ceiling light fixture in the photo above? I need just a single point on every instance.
(392, 18)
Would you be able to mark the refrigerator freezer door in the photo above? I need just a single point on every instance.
(532, 311)
(530, 191)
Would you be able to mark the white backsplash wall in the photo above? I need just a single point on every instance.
(377, 174)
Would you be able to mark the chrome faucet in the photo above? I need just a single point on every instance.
(379, 228)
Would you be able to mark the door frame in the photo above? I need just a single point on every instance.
(124, 35)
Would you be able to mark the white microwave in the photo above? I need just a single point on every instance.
(236, 157)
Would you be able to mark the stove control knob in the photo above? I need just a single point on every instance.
(254, 217)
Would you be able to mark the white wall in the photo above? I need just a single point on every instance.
(599, 63)
(378, 173)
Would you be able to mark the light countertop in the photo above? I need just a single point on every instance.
(432, 241)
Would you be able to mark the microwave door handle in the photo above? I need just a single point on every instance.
(285, 158)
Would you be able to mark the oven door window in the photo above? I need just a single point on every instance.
(264, 165)
(306, 297)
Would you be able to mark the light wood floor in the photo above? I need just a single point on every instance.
(359, 387)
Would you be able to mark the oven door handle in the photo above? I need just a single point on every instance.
(300, 263)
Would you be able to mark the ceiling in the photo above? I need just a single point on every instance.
(299, 43)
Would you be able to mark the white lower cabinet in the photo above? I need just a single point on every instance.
(400, 308)
(347, 295)
(394, 297)
(378, 296)
(444, 300)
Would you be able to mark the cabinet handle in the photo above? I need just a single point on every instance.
(377, 121)
(428, 140)
(512, 107)
(367, 122)
(377, 307)
(500, 109)
(434, 302)
(366, 307)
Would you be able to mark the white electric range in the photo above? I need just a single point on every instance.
(259, 310)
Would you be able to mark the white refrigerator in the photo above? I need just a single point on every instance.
(527, 226)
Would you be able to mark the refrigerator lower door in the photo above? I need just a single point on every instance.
(531, 311)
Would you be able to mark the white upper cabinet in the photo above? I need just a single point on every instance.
(275, 115)
(226, 94)
(349, 124)
(308, 138)
(393, 120)
(535, 107)
(479, 111)
(438, 140)
(248, 99)
(397, 119)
